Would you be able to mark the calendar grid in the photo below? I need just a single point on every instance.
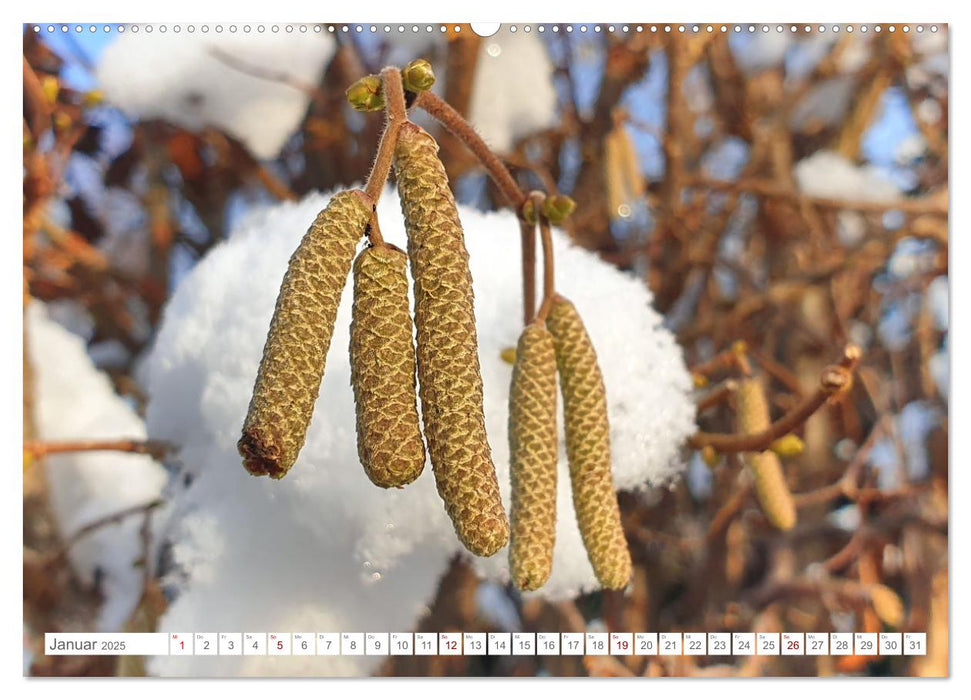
(489, 644)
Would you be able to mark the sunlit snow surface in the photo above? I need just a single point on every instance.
(205, 80)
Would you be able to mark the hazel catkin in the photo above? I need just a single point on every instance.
(382, 355)
(588, 446)
(533, 455)
(296, 346)
(450, 384)
(771, 489)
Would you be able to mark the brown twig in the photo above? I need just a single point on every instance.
(396, 115)
(549, 281)
(729, 510)
(528, 239)
(778, 371)
(766, 188)
(448, 117)
(726, 359)
(847, 485)
(834, 379)
(40, 117)
(38, 449)
(717, 395)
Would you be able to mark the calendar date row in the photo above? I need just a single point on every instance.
(490, 644)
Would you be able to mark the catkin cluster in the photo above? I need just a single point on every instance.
(533, 452)
(588, 446)
(296, 347)
(385, 360)
(771, 489)
(450, 383)
(383, 357)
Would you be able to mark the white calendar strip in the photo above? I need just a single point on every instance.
(491, 644)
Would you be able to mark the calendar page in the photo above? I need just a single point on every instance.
(383, 349)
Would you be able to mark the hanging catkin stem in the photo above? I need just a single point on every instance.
(396, 114)
(448, 360)
(771, 489)
(383, 369)
(549, 277)
(527, 233)
(588, 446)
(533, 450)
(296, 345)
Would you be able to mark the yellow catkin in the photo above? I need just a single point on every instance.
(624, 181)
(614, 175)
(886, 604)
(771, 489)
(383, 369)
(450, 384)
(533, 454)
(588, 446)
(296, 346)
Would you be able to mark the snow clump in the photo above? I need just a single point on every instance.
(190, 80)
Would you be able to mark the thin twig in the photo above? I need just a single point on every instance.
(40, 118)
(396, 115)
(722, 361)
(155, 448)
(729, 510)
(765, 188)
(847, 484)
(717, 395)
(834, 379)
(446, 115)
(528, 238)
(549, 278)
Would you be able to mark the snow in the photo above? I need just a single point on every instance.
(761, 51)
(324, 548)
(75, 401)
(177, 77)
(825, 104)
(513, 94)
(828, 174)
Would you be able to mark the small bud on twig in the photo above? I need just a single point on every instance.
(366, 94)
(558, 207)
(418, 76)
(788, 446)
